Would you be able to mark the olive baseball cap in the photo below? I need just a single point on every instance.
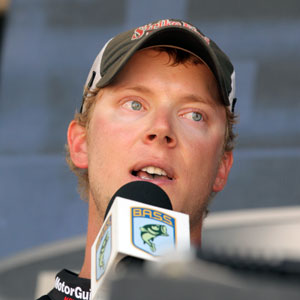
(169, 32)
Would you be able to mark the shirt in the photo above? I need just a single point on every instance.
(68, 286)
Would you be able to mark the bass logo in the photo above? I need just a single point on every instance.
(103, 249)
(152, 231)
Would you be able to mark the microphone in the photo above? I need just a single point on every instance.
(139, 225)
(144, 192)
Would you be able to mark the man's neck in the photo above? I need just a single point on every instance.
(195, 236)
(94, 225)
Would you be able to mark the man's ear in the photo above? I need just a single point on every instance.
(77, 141)
(223, 171)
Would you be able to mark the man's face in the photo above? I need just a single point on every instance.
(163, 124)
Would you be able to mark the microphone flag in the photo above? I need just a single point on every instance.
(137, 230)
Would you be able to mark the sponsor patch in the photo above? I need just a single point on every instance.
(144, 30)
(103, 249)
(152, 231)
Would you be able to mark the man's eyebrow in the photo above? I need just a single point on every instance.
(199, 99)
(137, 88)
(196, 98)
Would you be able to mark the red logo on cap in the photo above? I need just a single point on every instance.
(144, 30)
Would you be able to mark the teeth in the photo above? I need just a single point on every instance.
(153, 170)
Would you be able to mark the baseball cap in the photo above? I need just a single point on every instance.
(169, 32)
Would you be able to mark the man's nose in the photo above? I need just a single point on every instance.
(161, 130)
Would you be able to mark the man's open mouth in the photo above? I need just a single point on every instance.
(150, 172)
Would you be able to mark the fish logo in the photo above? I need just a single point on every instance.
(103, 249)
(150, 232)
(153, 231)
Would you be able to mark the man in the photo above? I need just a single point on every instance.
(157, 106)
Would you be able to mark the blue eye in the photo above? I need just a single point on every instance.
(135, 105)
(195, 116)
